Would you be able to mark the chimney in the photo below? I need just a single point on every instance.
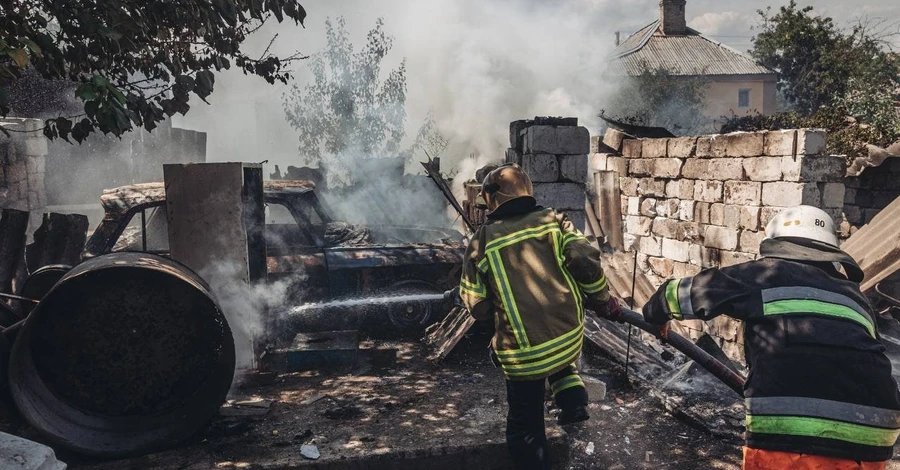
(671, 17)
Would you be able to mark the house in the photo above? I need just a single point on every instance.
(736, 83)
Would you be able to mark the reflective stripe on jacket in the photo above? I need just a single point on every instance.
(534, 267)
(820, 382)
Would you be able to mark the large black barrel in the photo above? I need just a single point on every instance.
(127, 353)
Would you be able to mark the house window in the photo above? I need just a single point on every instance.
(744, 98)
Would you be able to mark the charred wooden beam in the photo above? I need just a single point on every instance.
(13, 229)
(59, 240)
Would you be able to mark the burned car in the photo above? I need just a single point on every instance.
(322, 259)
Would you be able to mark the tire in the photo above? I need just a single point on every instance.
(416, 315)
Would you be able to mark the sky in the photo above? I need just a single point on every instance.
(476, 64)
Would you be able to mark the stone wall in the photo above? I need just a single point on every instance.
(554, 153)
(695, 202)
(22, 165)
(869, 193)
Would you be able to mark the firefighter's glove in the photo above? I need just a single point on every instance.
(662, 332)
(452, 297)
(609, 310)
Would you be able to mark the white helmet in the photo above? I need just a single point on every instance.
(807, 222)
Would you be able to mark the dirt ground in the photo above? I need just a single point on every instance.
(407, 413)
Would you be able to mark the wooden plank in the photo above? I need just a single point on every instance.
(592, 221)
(444, 336)
(13, 229)
(609, 206)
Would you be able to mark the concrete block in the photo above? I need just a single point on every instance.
(662, 267)
(725, 169)
(631, 148)
(35, 146)
(833, 195)
(744, 144)
(628, 185)
(680, 188)
(704, 147)
(731, 258)
(780, 143)
(682, 147)
(667, 167)
(597, 162)
(675, 250)
(681, 270)
(695, 168)
(596, 388)
(750, 240)
(515, 134)
(708, 191)
(542, 167)
(36, 164)
(21, 454)
(558, 140)
(648, 207)
(811, 141)
(791, 167)
(665, 227)
(686, 210)
(596, 143)
(668, 208)
(719, 146)
(732, 216)
(652, 187)
(560, 196)
(701, 212)
(650, 246)
(637, 225)
(823, 169)
(613, 138)
(512, 156)
(786, 194)
(749, 217)
(717, 213)
(640, 167)
(634, 206)
(655, 148)
(573, 168)
(617, 164)
(763, 168)
(742, 192)
(723, 238)
(766, 214)
(703, 256)
(688, 231)
(578, 218)
(853, 214)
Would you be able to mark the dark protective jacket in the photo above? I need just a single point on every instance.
(819, 380)
(534, 268)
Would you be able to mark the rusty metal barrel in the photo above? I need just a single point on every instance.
(126, 354)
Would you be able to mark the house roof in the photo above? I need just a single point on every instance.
(689, 54)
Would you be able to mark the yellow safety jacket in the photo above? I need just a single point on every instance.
(534, 268)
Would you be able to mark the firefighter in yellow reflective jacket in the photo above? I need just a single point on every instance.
(530, 270)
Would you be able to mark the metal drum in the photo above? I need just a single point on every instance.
(127, 353)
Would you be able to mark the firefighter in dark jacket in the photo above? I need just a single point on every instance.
(532, 272)
(820, 393)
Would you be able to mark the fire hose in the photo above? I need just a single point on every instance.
(689, 349)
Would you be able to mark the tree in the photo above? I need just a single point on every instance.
(347, 111)
(659, 99)
(133, 63)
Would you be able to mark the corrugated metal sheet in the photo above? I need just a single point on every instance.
(691, 54)
(876, 246)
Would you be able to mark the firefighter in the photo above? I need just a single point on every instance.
(532, 272)
(820, 393)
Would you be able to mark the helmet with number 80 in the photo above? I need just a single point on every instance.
(805, 222)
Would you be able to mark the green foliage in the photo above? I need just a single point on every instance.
(347, 111)
(134, 63)
(659, 99)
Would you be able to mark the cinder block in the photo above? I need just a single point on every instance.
(617, 164)
(628, 185)
(779, 143)
(686, 210)
(833, 195)
(742, 192)
(596, 142)
(560, 196)
(744, 144)
(685, 270)
(717, 214)
(732, 216)
(634, 206)
(701, 212)
(704, 256)
(704, 147)
(557, 140)
(651, 246)
(749, 217)
(542, 167)
(667, 167)
(719, 146)
(708, 191)
(675, 250)
(731, 258)
(811, 141)
(655, 148)
(723, 238)
(648, 207)
(763, 168)
(750, 240)
(652, 187)
(515, 134)
(662, 267)
(573, 168)
(640, 167)
(695, 168)
(596, 388)
(786, 194)
(597, 162)
(791, 167)
(631, 148)
(613, 138)
(725, 169)
(637, 225)
(823, 169)
(682, 147)
(512, 156)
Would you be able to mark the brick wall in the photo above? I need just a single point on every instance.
(554, 153)
(22, 165)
